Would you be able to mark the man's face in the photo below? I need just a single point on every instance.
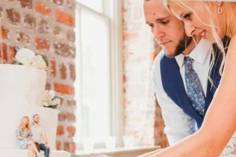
(36, 119)
(166, 28)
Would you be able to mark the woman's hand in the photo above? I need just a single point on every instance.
(30, 139)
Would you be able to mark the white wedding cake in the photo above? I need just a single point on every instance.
(21, 92)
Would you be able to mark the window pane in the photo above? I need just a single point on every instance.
(94, 76)
(93, 4)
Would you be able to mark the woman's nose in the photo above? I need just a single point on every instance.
(189, 29)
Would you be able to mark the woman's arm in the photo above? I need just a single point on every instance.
(220, 121)
(18, 136)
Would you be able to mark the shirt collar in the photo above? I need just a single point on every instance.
(200, 53)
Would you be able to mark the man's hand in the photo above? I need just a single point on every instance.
(46, 145)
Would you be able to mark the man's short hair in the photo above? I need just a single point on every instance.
(35, 115)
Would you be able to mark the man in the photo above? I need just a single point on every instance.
(39, 136)
(181, 73)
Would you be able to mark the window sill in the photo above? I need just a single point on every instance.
(117, 152)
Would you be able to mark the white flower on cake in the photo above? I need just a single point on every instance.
(39, 62)
(27, 57)
(50, 99)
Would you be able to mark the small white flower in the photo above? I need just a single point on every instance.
(50, 99)
(29, 58)
(56, 101)
(39, 62)
(24, 56)
(51, 94)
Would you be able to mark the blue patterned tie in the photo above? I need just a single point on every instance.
(194, 87)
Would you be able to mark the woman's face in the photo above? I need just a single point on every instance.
(197, 16)
(25, 121)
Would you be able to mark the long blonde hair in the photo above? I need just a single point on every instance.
(24, 127)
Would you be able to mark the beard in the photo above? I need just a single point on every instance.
(181, 46)
(36, 122)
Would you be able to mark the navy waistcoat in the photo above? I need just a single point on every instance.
(174, 86)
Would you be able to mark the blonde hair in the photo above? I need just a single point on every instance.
(24, 127)
(213, 27)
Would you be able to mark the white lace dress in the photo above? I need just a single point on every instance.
(230, 149)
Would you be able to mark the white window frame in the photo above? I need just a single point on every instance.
(116, 66)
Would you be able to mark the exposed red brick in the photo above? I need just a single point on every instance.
(3, 54)
(43, 26)
(57, 30)
(72, 72)
(61, 117)
(71, 131)
(72, 147)
(1, 12)
(22, 38)
(63, 71)
(66, 116)
(62, 101)
(64, 89)
(13, 16)
(42, 8)
(58, 2)
(53, 67)
(60, 130)
(65, 18)
(58, 145)
(160, 137)
(4, 32)
(70, 117)
(42, 43)
(70, 104)
(67, 146)
(26, 4)
(30, 21)
(48, 86)
(12, 53)
(63, 49)
(70, 34)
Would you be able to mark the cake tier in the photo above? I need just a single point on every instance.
(11, 118)
(21, 91)
(21, 85)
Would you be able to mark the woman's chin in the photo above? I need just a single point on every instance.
(209, 37)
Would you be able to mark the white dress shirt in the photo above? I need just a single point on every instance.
(177, 123)
(38, 134)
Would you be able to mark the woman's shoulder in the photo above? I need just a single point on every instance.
(25, 132)
(18, 132)
(232, 46)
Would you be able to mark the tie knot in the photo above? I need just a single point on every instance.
(188, 61)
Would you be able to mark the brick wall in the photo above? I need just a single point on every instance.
(143, 120)
(45, 26)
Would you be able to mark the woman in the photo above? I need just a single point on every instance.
(213, 21)
(24, 137)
